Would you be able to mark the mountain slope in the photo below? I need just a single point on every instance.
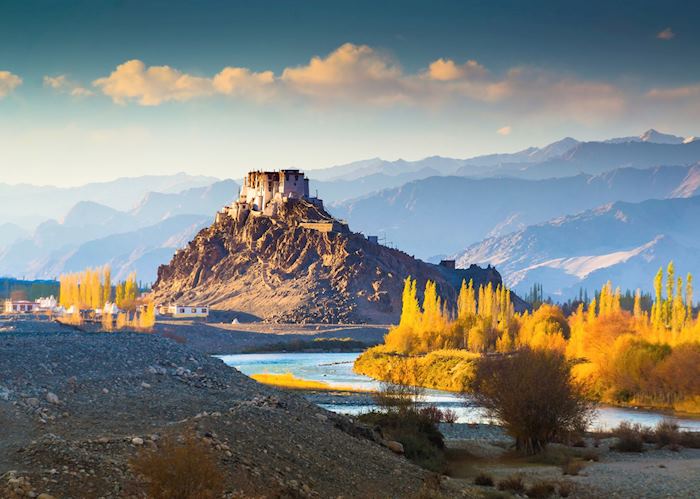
(29, 202)
(626, 242)
(276, 269)
(440, 215)
(56, 247)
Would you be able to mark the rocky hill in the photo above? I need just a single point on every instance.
(277, 269)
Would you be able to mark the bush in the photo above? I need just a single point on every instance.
(533, 395)
(565, 489)
(629, 438)
(666, 433)
(572, 468)
(484, 480)
(542, 490)
(180, 468)
(690, 439)
(422, 441)
(514, 484)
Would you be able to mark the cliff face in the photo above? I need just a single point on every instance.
(277, 270)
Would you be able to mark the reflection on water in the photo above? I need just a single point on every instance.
(336, 370)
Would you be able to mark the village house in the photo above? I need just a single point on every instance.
(180, 311)
(20, 307)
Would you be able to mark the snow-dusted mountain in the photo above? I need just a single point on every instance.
(441, 215)
(563, 158)
(622, 242)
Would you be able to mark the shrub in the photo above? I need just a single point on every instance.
(180, 468)
(449, 416)
(666, 433)
(572, 468)
(484, 480)
(514, 484)
(422, 441)
(541, 489)
(690, 439)
(565, 489)
(629, 438)
(533, 395)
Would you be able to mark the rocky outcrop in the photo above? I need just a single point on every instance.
(278, 270)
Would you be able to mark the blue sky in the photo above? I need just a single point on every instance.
(94, 90)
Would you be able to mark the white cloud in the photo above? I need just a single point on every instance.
(133, 81)
(665, 34)
(242, 82)
(62, 84)
(504, 130)
(359, 74)
(675, 92)
(8, 82)
(447, 70)
(349, 72)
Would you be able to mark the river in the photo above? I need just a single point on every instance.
(336, 370)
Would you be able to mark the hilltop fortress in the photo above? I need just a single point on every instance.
(265, 193)
(277, 254)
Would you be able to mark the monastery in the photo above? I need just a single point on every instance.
(262, 192)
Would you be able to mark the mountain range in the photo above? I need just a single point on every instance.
(486, 209)
(138, 239)
(622, 242)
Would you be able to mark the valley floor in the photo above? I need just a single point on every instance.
(76, 407)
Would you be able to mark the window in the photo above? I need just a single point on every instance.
(182, 310)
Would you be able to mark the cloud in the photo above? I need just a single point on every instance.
(8, 82)
(349, 72)
(665, 34)
(361, 75)
(242, 82)
(675, 92)
(447, 70)
(504, 130)
(62, 84)
(133, 81)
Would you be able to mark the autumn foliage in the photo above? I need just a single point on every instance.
(645, 356)
(92, 290)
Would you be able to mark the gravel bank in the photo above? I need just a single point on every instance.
(71, 405)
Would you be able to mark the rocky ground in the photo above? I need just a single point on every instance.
(216, 337)
(76, 407)
(654, 473)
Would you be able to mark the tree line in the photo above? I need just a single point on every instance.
(92, 290)
(649, 355)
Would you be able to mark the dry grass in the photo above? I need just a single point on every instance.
(288, 380)
(513, 484)
(572, 468)
(484, 480)
(541, 490)
(181, 467)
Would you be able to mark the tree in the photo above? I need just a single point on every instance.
(533, 395)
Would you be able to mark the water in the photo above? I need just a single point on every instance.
(336, 370)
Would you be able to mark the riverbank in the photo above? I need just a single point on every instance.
(75, 408)
(453, 371)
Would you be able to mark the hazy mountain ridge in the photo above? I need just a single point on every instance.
(29, 204)
(443, 214)
(625, 242)
(162, 222)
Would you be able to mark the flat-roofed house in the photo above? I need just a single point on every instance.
(181, 311)
(20, 306)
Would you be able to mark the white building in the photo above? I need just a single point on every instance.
(180, 311)
(262, 191)
(49, 303)
(20, 307)
(260, 188)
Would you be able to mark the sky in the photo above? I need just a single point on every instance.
(94, 90)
